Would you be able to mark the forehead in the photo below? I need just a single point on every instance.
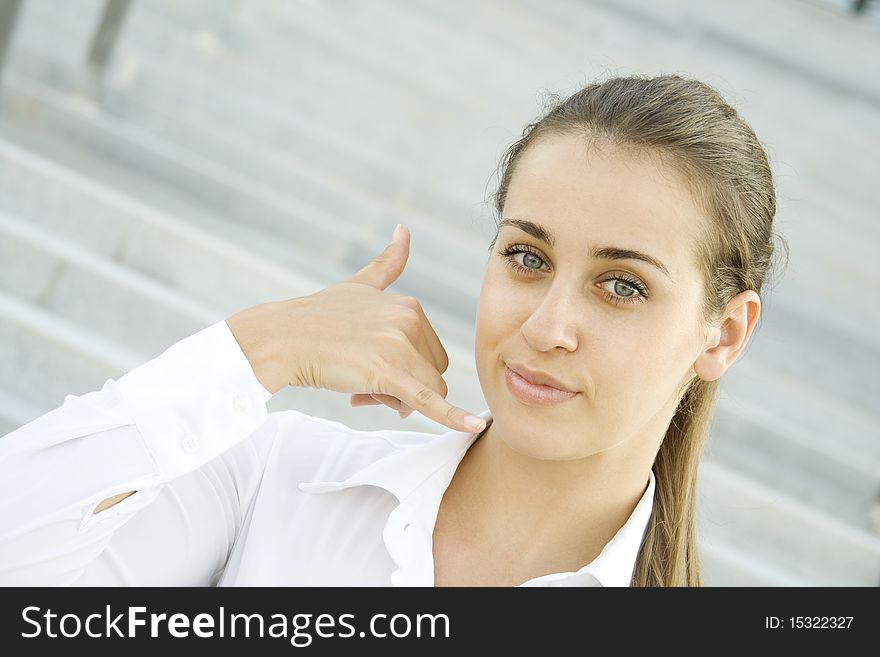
(605, 196)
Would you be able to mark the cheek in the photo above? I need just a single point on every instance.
(504, 299)
(497, 302)
(499, 318)
(491, 315)
(640, 361)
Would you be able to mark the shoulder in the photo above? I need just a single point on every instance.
(322, 448)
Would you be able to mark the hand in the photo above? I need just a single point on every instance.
(354, 337)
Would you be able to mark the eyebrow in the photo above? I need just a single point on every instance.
(602, 252)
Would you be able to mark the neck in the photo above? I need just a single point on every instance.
(533, 507)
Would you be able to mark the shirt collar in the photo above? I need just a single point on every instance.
(403, 472)
(616, 562)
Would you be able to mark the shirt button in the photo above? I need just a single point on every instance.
(191, 443)
(242, 404)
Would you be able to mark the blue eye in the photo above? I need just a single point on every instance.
(530, 261)
(527, 252)
(626, 290)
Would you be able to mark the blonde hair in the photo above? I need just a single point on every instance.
(690, 127)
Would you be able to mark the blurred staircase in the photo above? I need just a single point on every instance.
(240, 152)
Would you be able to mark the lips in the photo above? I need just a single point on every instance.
(538, 377)
(533, 394)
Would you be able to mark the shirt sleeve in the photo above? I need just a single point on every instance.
(189, 431)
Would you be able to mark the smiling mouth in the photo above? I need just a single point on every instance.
(534, 394)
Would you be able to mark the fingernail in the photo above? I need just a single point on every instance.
(398, 233)
(475, 423)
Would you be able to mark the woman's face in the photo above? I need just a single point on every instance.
(621, 332)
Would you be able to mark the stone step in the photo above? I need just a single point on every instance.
(100, 295)
(44, 358)
(309, 229)
(16, 412)
(804, 213)
(843, 55)
(860, 260)
(722, 564)
(228, 269)
(771, 449)
(793, 538)
(260, 103)
(114, 225)
(363, 213)
(202, 88)
(668, 37)
(802, 440)
(608, 21)
(204, 74)
(132, 308)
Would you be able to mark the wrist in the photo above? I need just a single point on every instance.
(248, 327)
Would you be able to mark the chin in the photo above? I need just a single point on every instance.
(528, 433)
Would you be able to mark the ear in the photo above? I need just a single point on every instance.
(727, 340)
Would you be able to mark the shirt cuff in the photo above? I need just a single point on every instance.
(196, 400)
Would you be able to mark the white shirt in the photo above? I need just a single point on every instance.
(229, 494)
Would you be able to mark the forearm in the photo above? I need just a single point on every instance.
(72, 477)
(110, 501)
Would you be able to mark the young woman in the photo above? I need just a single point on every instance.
(625, 277)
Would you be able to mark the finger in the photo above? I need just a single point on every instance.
(363, 399)
(367, 399)
(386, 267)
(391, 402)
(429, 341)
(426, 400)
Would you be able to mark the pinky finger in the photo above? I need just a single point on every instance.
(363, 399)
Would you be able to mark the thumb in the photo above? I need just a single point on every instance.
(386, 267)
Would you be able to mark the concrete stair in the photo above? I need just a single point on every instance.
(195, 179)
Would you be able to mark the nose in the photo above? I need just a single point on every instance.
(554, 321)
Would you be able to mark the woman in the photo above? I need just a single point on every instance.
(624, 279)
